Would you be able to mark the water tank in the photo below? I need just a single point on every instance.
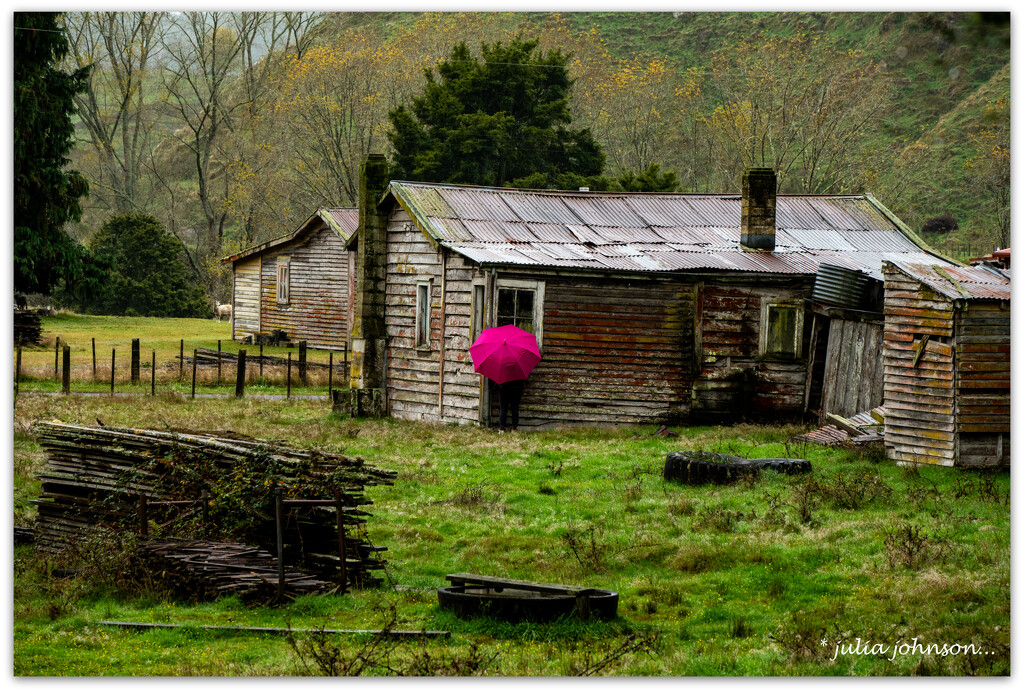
(841, 287)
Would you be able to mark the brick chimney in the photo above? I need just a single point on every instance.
(757, 218)
(368, 331)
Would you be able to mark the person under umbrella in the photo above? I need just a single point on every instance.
(506, 355)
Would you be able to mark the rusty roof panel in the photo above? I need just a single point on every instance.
(595, 210)
(977, 282)
(346, 219)
(654, 232)
(538, 207)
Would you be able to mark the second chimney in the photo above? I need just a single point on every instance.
(757, 217)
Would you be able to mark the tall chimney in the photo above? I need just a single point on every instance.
(757, 218)
(368, 330)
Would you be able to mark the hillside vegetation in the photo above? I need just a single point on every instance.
(231, 128)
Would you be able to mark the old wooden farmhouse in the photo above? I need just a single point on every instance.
(647, 307)
(298, 285)
(947, 364)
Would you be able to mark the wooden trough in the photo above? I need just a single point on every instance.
(514, 600)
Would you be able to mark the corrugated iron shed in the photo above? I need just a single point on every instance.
(961, 283)
(343, 220)
(656, 232)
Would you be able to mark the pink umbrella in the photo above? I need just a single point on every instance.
(505, 353)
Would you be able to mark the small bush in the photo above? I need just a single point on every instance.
(909, 546)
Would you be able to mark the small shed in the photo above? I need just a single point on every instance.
(300, 284)
(947, 364)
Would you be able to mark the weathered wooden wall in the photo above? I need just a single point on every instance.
(412, 373)
(614, 351)
(854, 376)
(983, 383)
(734, 381)
(919, 424)
(246, 298)
(317, 311)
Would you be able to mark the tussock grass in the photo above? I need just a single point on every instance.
(733, 580)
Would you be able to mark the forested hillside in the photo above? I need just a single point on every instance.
(231, 128)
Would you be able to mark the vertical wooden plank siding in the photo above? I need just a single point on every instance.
(853, 373)
(919, 424)
(614, 351)
(317, 310)
(734, 380)
(412, 372)
(246, 290)
(983, 383)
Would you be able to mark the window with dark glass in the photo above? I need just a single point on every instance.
(781, 329)
(515, 306)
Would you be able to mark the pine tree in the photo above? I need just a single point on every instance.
(46, 194)
(500, 121)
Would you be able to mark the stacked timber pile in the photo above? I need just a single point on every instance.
(861, 429)
(98, 477)
(209, 569)
(28, 328)
(210, 356)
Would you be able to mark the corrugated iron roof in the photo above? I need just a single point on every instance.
(655, 232)
(342, 220)
(968, 283)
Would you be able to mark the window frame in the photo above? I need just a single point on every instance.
(424, 296)
(767, 304)
(538, 302)
(477, 309)
(284, 288)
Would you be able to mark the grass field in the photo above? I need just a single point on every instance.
(164, 337)
(758, 578)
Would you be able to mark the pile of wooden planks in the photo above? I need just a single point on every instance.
(208, 569)
(861, 429)
(97, 477)
(28, 329)
(210, 356)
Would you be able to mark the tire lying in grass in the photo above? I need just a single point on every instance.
(517, 605)
(700, 468)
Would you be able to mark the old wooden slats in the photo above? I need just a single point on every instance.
(317, 310)
(245, 305)
(947, 373)
(854, 374)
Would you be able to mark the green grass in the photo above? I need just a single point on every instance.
(712, 580)
(163, 336)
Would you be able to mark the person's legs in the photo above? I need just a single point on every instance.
(515, 395)
(503, 402)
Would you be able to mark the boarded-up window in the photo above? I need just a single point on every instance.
(478, 312)
(782, 326)
(423, 314)
(283, 280)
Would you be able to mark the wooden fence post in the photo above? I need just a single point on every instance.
(240, 377)
(194, 373)
(113, 362)
(289, 390)
(330, 374)
(302, 363)
(261, 361)
(135, 361)
(65, 382)
(181, 359)
(280, 542)
(56, 359)
(152, 382)
(342, 577)
(143, 518)
(94, 359)
(218, 361)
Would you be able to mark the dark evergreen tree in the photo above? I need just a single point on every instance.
(145, 272)
(650, 180)
(46, 194)
(501, 121)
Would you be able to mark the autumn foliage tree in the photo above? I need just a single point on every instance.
(501, 119)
